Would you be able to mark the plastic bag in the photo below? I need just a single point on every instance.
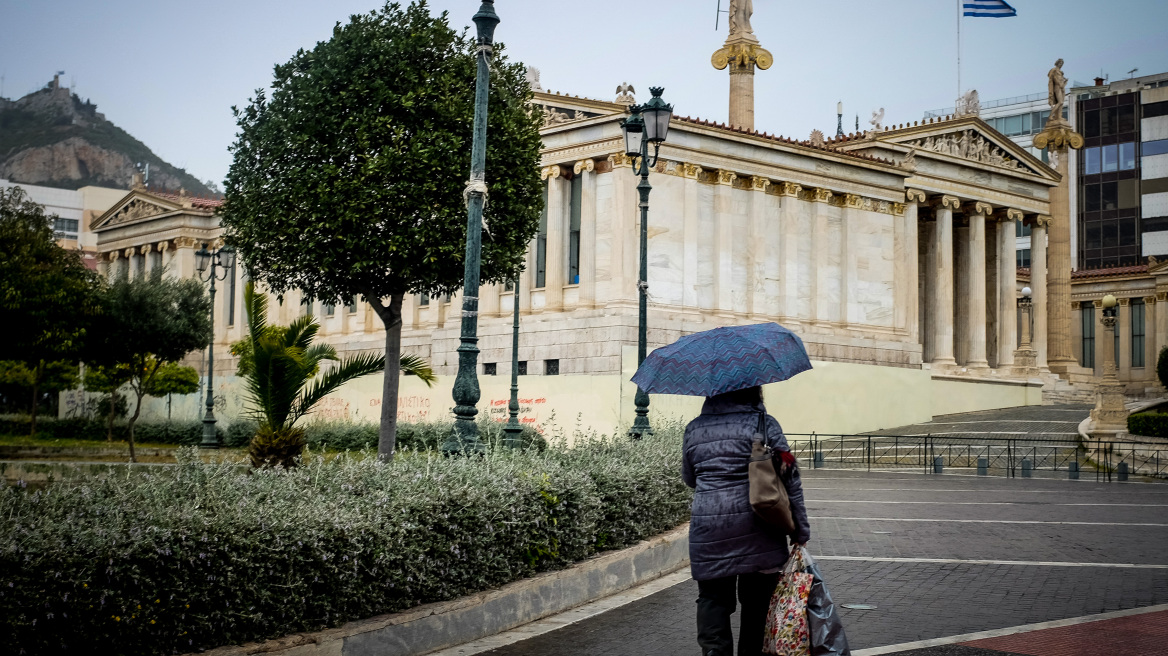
(827, 631)
(787, 630)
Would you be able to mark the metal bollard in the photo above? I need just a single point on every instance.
(1122, 471)
(1073, 470)
(817, 459)
(1027, 467)
(983, 466)
(938, 465)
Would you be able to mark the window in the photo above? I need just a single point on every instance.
(490, 369)
(1110, 158)
(1090, 125)
(1109, 195)
(1088, 323)
(1128, 194)
(1021, 229)
(541, 244)
(1091, 164)
(1137, 332)
(330, 310)
(551, 367)
(1126, 119)
(1150, 148)
(1094, 238)
(65, 228)
(1091, 198)
(352, 305)
(424, 300)
(1127, 156)
(1108, 121)
(1023, 257)
(230, 293)
(1152, 110)
(574, 230)
(1014, 125)
(523, 367)
(305, 306)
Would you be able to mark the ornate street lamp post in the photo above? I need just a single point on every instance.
(465, 436)
(647, 124)
(223, 258)
(513, 429)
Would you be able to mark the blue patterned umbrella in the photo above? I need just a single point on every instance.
(723, 360)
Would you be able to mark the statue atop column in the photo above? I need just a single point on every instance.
(740, 13)
(1057, 133)
(1057, 89)
(742, 54)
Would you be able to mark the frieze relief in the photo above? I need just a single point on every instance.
(559, 116)
(136, 209)
(968, 145)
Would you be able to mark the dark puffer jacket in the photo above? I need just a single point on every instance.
(725, 536)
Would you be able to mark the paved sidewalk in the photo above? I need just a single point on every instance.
(938, 556)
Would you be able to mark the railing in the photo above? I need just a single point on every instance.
(1009, 457)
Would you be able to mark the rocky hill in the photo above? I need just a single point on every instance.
(51, 137)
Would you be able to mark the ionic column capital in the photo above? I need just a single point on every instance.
(821, 195)
(1041, 221)
(584, 165)
(1149, 300)
(1098, 303)
(897, 209)
(1162, 297)
(129, 252)
(113, 255)
(690, 171)
(789, 189)
(620, 160)
(759, 183)
(945, 202)
(163, 246)
(914, 196)
(146, 249)
(1124, 302)
(978, 207)
(853, 201)
(184, 242)
(726, 177)
(551, 172)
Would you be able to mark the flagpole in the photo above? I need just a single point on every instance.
(958, 48)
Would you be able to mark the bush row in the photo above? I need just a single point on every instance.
(1151, 424)
(333, 435)
(200, 555)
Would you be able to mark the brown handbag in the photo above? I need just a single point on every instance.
(768, 494)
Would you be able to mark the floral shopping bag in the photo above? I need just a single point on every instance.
(787, 632)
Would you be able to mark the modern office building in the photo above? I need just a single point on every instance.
(73, 210)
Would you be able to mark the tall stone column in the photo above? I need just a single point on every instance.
(1151, 347)
(147, 266)
(1007, 288)
(943, 287)
(1038, 286)
(1059, 138)
(759, 258)
(928, 285)
(911, 311)
(625, 243)
(1123, 359)
(184, 257)
(742, 54)
(975, 313)
(587, 169)
(164, 248)
(690, 215)
(724, 243)
(556, 266)
(789, 250)
(820, 198)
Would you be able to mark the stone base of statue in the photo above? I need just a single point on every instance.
(1109, 417)
(1025, 363)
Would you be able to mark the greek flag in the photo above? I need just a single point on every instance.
(989, 9)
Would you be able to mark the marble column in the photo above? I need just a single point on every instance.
(976, 291)
(911, 311)
(724, 243)
(1151, 350)
(147, 266)
(850, 216)
(691, 234)
(942, 300)
(587, 169)
(556, 243)
(756, 274)
(167, 255)
(960, 288)
(789, 204)
(1123, 359)
(1101, 348)
(184, 257)
(625, 241)
(927, 271)
(820, 198)
(1008, 289)
(1038, 286)
(1059, 353)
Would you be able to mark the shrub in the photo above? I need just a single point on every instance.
(1152, 424)
(1162, 366)
(191, 557)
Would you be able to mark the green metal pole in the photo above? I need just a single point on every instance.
(465, 436)
(641, 426)
(513, 429)
(210, 436)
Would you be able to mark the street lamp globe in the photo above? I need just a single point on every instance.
(202, 258)
(1027, 292)
(1108, 302)
(657, 115)
(227, 257)
(634, 129)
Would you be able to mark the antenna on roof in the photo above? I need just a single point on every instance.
(718, 15)
(1131, 73)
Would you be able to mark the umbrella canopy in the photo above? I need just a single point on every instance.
(723, 360)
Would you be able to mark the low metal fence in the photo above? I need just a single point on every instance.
(1011, 457)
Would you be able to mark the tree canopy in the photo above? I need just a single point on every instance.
(349, 179)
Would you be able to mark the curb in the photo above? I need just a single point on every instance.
(435, 626)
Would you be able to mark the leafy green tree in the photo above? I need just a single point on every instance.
(349, 180)
(173, 378)
(281, 379)
(107, 381)
(48, 298)
(148, 322)
(54, 377)
(1162, 366)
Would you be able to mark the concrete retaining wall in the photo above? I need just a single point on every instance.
(446, 624)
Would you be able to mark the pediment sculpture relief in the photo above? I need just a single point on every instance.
(553, 116)
(136, 209)
(967, 145)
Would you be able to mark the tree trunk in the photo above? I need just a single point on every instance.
(130, 427)
(113, 407)
(391, 317)
(36, 388)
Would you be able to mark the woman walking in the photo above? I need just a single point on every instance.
(735, 556)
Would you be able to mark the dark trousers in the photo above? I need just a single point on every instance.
(716, 603)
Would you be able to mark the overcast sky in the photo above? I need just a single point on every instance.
(168, 72)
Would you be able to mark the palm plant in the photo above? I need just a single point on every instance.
(281, 369)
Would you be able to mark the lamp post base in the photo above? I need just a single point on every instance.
(641, 426)
(210, 435)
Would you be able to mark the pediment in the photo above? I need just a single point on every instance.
(134, 207)
(969, 139)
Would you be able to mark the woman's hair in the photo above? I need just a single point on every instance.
(747, 396)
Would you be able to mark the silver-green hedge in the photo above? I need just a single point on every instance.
(195, 556)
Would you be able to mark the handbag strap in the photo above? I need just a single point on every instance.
(762, 429)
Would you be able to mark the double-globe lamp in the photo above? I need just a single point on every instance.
(646, 124)
(206, 261)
